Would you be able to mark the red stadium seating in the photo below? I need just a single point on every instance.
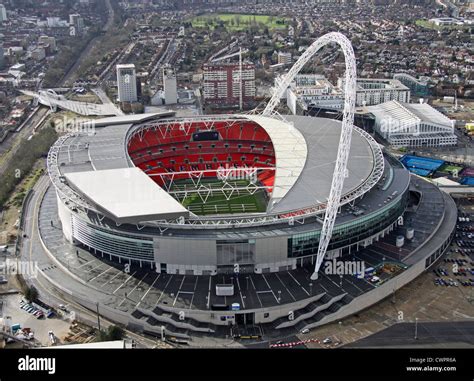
(170, 149)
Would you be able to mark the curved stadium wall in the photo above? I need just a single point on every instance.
(126, 244)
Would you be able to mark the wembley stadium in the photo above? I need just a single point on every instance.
(200, 196)
(197, 225)
(238, 201)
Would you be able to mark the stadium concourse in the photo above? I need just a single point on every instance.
(151, 214)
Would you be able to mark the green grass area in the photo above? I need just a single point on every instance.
(27, 184)
(23, 161)
(218, 202)
(238, 22)
(428, 25)
(450, 168)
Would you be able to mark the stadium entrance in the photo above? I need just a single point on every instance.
(245, 319)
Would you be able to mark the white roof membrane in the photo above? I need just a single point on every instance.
(128, 195)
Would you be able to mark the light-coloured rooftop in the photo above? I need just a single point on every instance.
(410, 113)
(127, 194)
(290, 153)
(305, 152)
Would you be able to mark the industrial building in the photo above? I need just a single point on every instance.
(413, 125)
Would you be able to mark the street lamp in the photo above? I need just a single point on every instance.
(416, 328)
(311, 289)
(279, 296)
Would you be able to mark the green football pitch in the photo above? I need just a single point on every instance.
(213, 200)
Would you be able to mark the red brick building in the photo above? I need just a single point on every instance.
(221, 84)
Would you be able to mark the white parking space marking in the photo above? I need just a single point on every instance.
(192, 298)
(265, 279)
(209, 293)
(162, 292)
(256, 292)
(96, 267)
(123, 284)
(146, 293)
(329, 279)
(179, 290)
(102, 273)
(298, 283)
(138, 284)
(87, 263)
(115, 276)
(286, 288)
(240, 292)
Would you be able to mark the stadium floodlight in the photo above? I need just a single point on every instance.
(340, 170)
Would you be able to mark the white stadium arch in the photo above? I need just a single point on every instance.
(340, 170)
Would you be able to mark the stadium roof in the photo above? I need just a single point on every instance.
(128, 195)
(290, 153)
(313, 187)
(127, 119)
(410, 113)
(305, 151)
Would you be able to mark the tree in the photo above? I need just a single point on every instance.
(113, 333)
(31, 293)
(23, 160)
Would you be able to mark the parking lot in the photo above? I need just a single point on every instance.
(457, 268)
(425, 299)
(39, 326)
